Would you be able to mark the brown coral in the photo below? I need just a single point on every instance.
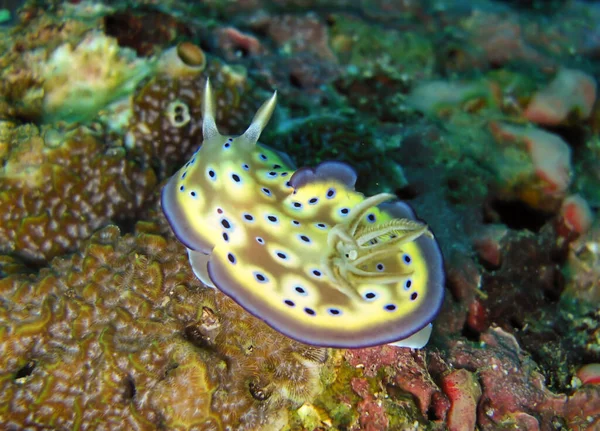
(165, 142)
(117, 337)
(57, 188)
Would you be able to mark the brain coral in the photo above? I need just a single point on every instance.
(122, 336)
(57, 188)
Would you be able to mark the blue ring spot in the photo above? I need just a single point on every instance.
(281, 255)
(262, 157)
(272, 219)
(330, 193)
(380, 267)
(390, 307)
(266, 191)
(212, 175)
(260, 277)
(300, 291)
(182, 188)
(321, 226)
(407, 284)
(225, 223)
(289, 303)
(248, 217)
(334, 311)
(344, 211)
(245, 167)
(304, 238)
(406, 258)
(371, 218)
(313, 201)
(371, 296)
(231, 258)
(260, 240)
(309, 311)
(183, 175)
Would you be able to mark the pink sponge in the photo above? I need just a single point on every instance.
(576, 214)
(589, 374)
(464, 392)
(570, 91)
(550, 155)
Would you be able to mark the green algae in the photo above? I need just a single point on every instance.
(373, 49)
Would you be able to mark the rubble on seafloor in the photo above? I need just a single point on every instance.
(483, 115)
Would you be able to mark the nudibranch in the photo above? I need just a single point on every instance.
(302, 250)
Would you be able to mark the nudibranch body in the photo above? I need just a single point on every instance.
(302, 250)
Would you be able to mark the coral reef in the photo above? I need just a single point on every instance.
(484, 115)
(57, 187)
(125, 324)
(146, 30)
(79, 81)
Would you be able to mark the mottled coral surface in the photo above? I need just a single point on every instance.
(121, 336)
(483, 115)
(56, 188)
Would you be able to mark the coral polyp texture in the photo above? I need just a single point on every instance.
(122, 336)
(57, 187)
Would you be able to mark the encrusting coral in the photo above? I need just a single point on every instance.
(57, 187)
(80, 80)
(122, 336)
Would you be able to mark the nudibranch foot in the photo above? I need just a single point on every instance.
(417, 340)
(199, 264)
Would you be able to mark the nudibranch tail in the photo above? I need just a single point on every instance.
(303, 251)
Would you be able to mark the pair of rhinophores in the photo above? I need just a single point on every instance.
(302, 250)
